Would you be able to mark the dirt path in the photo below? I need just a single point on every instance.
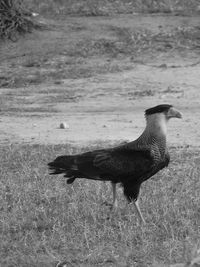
(105, 106)
(111, 107)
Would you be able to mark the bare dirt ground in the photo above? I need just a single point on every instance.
(53, 76)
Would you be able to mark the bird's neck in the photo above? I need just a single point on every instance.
(156, 129)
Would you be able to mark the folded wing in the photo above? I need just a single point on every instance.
(106, 164)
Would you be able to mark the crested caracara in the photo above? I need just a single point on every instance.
(129, 164)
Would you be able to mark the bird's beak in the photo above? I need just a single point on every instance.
(174, 113)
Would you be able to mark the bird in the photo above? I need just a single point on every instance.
(129, 164)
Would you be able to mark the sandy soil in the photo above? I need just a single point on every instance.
(106, 106)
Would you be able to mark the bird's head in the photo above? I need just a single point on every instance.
(168, 111)
(158, 116)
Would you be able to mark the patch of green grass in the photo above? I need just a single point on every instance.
(43, 220)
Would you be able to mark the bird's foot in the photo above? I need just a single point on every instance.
(112, 208)
(110, 205)
(108, 216)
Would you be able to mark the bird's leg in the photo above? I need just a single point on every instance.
(114, 204)
(138, 211)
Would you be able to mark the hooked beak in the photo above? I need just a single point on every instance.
(174, 113)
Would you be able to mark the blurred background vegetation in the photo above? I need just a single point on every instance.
(15, 14)
(105, 7)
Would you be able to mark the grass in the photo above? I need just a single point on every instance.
(105, 7)
(119, 48)
(73, 49)
(44, 221)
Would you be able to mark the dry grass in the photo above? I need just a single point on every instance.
(116, 49)
(106, 7)
(44, 221)
(109, 48)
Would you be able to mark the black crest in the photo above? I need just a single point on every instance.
(158, 109)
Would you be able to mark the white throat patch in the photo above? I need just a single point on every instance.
(157, 124)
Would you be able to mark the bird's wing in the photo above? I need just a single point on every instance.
(125, 161)
(85, 162)
(115, 162)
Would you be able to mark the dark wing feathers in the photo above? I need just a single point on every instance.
(77, 166)
(122, 164)
(106, 164)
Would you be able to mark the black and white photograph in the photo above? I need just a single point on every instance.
(100, 133)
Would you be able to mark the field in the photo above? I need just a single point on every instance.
(44, 221)
(97, 67)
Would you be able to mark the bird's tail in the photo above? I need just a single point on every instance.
(65, 165)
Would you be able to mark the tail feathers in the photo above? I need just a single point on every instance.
(70, 180)
(67, 166)
(56, 170)
(62, 164)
